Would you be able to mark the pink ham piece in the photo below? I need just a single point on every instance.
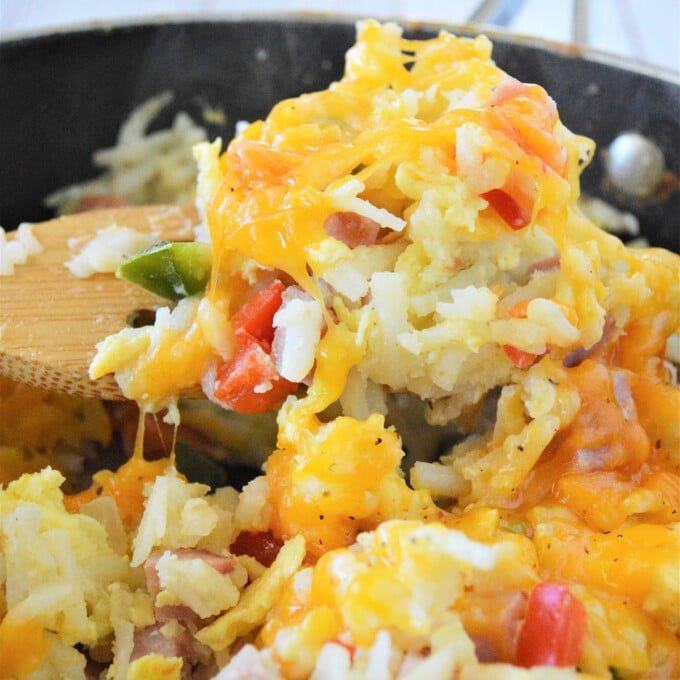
(151, 640)
(624, 395)
(507, 88)
(100, 201)
(352, 229)
(580, 354)
(224, 564)
(545, 265)
(492, 647)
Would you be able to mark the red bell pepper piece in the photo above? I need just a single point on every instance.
(519, 357)
(255, 319)
(554, 630)
(515, 213)
(242, 382)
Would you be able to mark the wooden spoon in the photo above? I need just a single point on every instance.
(51, 320)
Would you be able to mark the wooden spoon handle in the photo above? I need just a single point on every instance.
(51, 320)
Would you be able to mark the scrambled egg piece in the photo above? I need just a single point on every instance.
(56, 570)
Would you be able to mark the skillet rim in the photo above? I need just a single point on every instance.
(494, 33)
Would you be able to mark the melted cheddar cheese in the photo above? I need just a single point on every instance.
(23, 646)
(483, 285)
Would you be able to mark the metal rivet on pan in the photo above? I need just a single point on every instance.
(635, 165)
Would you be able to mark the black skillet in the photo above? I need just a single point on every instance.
(65, 94)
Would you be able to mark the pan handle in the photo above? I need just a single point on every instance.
(580, 23)
(495, 12)
(503, 12)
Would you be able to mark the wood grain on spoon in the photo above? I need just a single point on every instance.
(51, 320)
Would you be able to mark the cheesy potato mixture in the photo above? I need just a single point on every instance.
(407, 242)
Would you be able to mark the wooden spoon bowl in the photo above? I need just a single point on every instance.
(52, 320)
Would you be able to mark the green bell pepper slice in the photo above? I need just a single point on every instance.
(173, 270)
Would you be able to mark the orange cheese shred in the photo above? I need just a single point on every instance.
(23, 647)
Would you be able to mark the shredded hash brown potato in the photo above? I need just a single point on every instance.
(143, 166)
(407, 241)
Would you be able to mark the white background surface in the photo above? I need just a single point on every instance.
(647, 30)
